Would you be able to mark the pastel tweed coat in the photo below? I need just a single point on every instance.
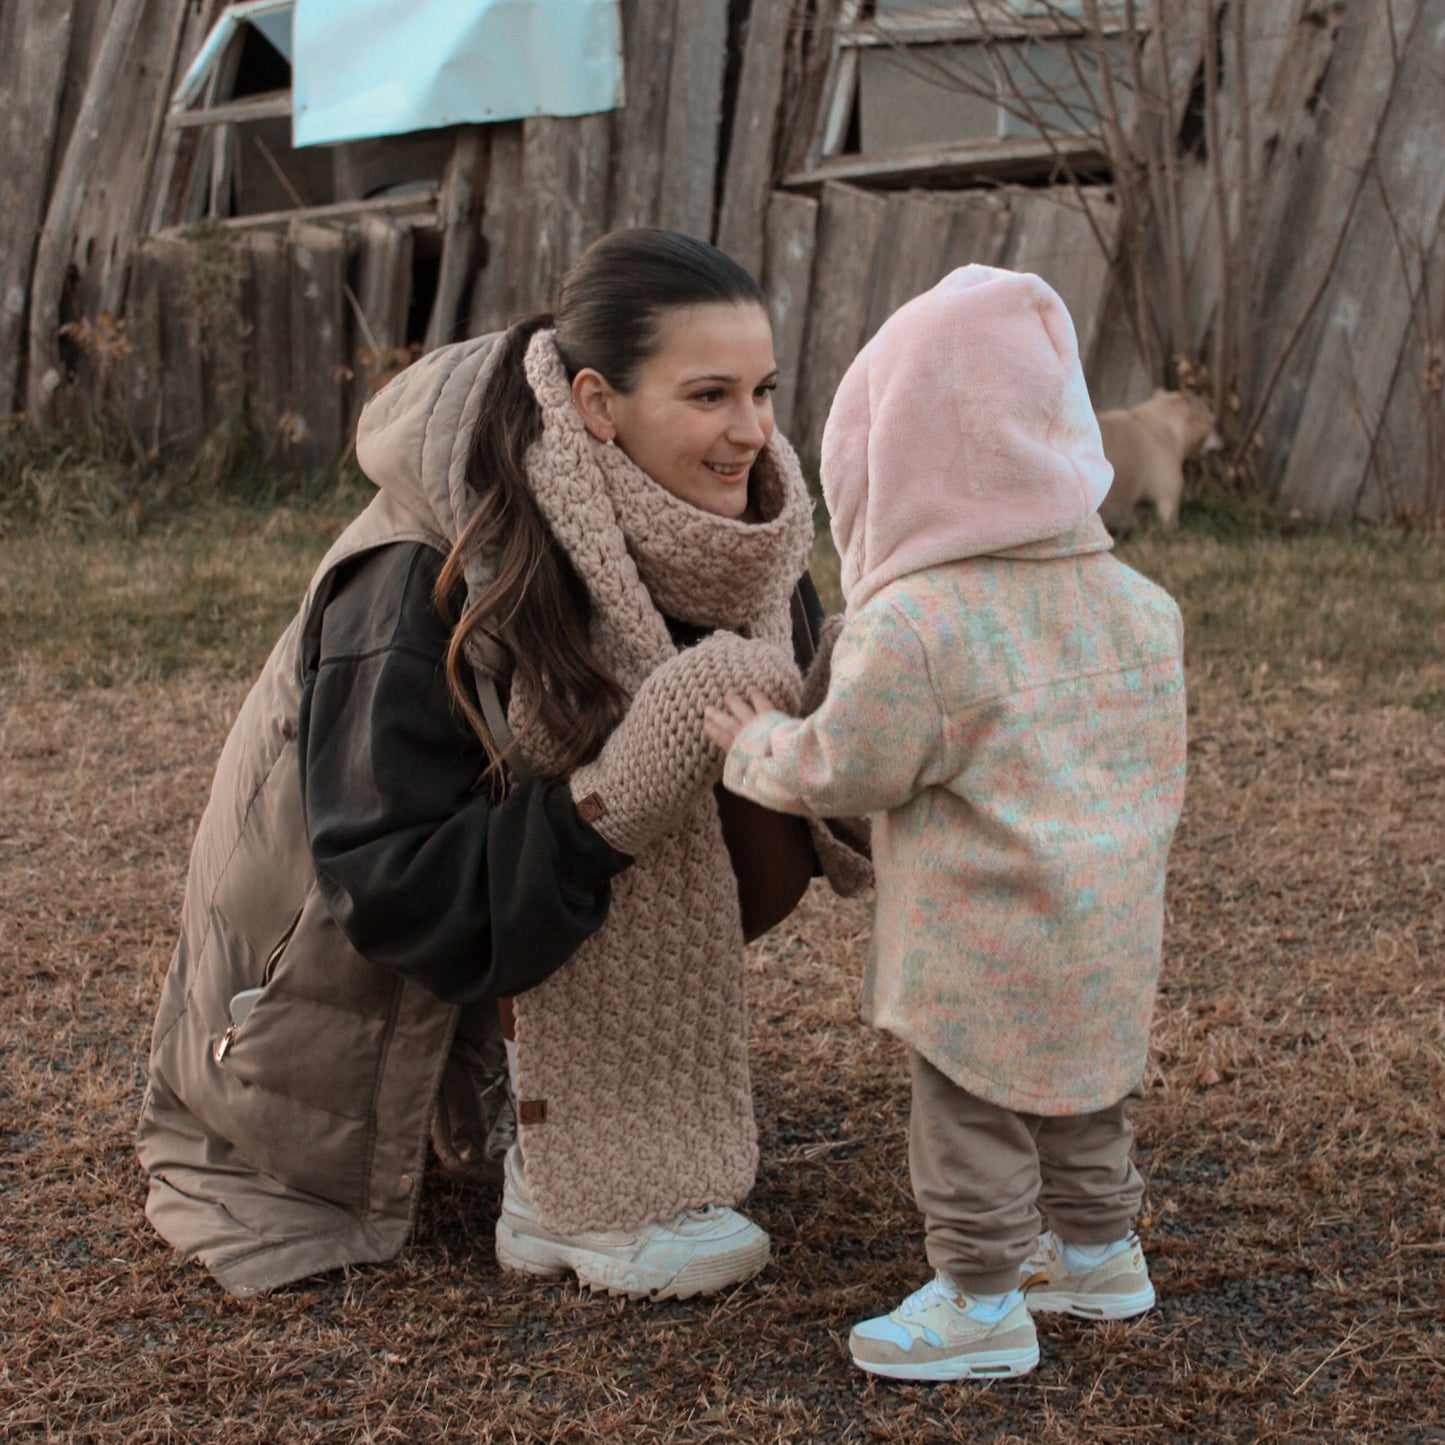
(1006, 698)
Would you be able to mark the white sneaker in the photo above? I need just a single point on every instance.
(698, 1252)
(940, 1333)
(1117, 1287)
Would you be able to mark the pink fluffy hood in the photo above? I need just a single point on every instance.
(964, 429)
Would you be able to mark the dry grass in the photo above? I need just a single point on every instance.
(1290, 1132)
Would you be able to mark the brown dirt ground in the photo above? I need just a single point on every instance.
(1290, 1136)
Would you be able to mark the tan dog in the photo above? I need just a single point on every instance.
(1147, 445)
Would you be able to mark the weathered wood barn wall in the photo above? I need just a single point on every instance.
(1272, 205)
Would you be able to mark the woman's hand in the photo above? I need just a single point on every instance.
(723, 724)
(659, 759)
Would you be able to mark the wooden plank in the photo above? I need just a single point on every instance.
(899, 22)
(918, 227)
(1406, 473)
(647, 36)
(134, 150)
(824, 126)
(319, 347)
(88, 24)
(1368, 308)
(268, 336)
(1274, 32)
(1168, 60)
(182, 425)
(34, 43)
(564, 199)
(458, 215)
(1013, 158)
(1068, 239)
(223, 278)
(177, 150)
(143, 366)
(1296, 268)
(383, 297)
(979, 235)
(689, 139)
(850, 231)
(792, 226)
(213, 179)
(418, 207)
(55, 244)
(1294, 165)
(493, 293)
(227, 112)
(748, 176)
(101, 183)
(810, 60)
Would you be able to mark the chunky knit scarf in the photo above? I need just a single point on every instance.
(632, 1069)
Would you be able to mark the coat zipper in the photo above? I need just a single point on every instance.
(223, 1044)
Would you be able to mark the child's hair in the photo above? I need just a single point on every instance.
(609, 316)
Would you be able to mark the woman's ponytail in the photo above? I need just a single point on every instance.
(535, 605)
(610, 311)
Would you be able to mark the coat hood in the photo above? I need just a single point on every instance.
(415, 434)
(964, 429)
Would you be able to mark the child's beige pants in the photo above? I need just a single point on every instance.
(985, 1177)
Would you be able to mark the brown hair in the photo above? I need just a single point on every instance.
(609, 316)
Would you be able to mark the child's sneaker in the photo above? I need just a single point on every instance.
(1062, 1277)
(940, 1333)
(698, 1252)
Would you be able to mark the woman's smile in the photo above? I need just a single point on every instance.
(702, 407)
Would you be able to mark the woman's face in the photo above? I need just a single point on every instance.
(702, 408)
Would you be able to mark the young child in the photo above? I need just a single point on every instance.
(1007, 700)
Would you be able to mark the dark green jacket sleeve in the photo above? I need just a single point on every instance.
(422, 870)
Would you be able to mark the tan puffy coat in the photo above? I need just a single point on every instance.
(294, 1143)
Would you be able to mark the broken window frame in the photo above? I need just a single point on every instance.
(974, 160)
(202, 112)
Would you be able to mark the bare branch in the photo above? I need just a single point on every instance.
(1174, 254)
(1224, 313)
(1244, 216)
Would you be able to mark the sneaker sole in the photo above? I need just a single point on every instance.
(1090, 1306)
(983, 1365)
(545, 1259)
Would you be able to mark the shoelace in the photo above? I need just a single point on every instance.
(921, 1299)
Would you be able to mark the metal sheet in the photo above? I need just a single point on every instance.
(382, 67)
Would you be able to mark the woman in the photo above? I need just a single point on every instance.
(476, 756)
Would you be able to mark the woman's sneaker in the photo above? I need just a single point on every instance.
(1061, 1278)
(940, 1333)
(698, 1252)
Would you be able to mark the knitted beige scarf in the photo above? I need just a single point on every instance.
(632, 1066)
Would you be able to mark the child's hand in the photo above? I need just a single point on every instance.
(722, 725)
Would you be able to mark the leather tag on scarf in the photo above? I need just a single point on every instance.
(531, 1111)
(591, 808)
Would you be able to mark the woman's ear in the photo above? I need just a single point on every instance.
(592, 396)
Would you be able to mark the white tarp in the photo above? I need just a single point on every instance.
(381, 67)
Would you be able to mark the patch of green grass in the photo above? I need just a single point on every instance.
(90, 477)
(1349, 610)
(209, 591)
(1270, 601)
